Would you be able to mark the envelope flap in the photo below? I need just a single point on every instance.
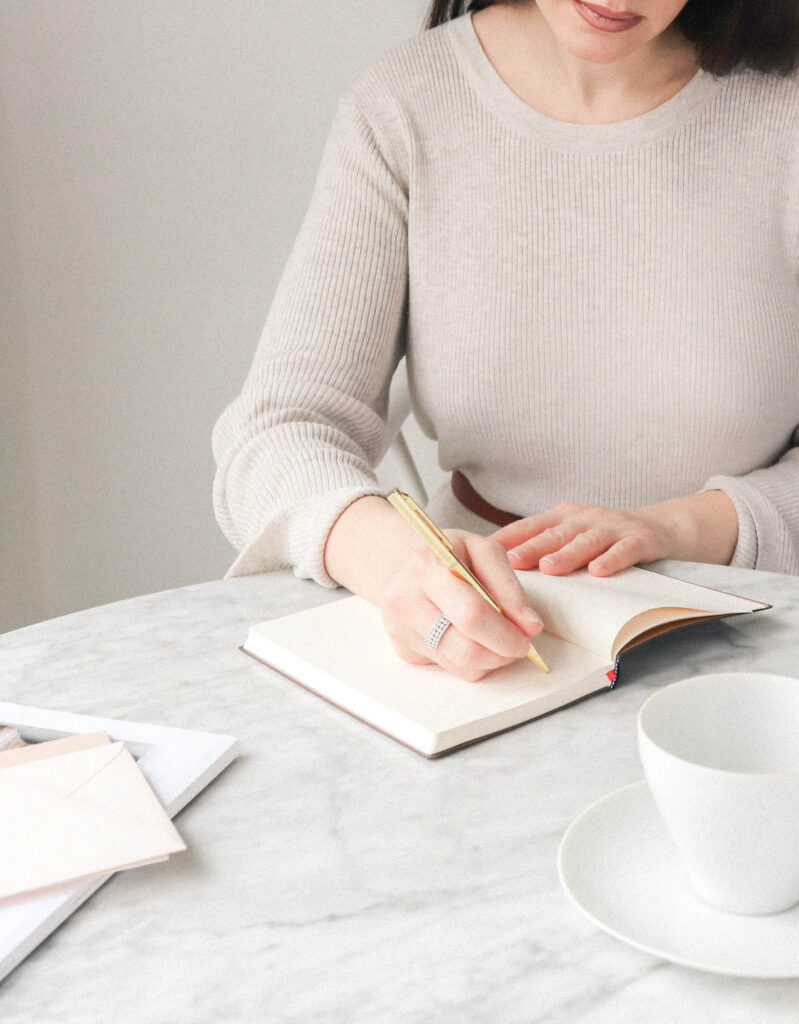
(51, 748)
(63, 774)
(78, 814)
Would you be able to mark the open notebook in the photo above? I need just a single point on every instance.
(342, 652)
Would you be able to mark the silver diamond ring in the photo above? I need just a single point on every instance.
(436, 631)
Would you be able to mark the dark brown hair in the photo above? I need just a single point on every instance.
(759, 34)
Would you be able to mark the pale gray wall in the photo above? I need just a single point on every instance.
(156, 159)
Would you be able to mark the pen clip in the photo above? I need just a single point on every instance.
(409, 507)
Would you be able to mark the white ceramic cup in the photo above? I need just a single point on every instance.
(721, 757)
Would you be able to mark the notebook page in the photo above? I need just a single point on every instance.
(342, 651)
(590, 611)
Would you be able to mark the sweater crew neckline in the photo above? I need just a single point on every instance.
(497, 94)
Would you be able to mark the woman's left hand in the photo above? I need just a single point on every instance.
(699, 527)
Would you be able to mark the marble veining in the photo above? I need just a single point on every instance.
(334, 876)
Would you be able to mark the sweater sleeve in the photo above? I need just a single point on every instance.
(301, 441)
(767, 503)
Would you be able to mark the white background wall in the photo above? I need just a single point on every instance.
(156, 160)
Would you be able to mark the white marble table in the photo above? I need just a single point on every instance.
(335, 877)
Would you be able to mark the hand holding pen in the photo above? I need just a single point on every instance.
(466, 623)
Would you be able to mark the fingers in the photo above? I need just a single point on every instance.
(555, 538)
(581, 550)
(523, 529)
(472, 615)
(467, 659)
(621, 555)
(529, 539)
(456, 652)
(489, 562)
(480, 638)
(570, 536)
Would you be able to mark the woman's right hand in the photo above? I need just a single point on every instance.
(379, 557)
(480, 638)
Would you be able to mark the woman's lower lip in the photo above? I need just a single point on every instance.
(603, 23)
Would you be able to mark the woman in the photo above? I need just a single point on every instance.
(581, 223)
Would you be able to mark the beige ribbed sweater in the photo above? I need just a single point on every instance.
(596, 313)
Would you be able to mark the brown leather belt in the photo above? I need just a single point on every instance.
(469, 498)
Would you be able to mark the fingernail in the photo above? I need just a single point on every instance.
(515, 555)
(530, 617)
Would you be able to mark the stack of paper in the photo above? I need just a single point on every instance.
(73, 808)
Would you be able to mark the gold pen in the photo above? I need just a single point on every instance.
(435, 539)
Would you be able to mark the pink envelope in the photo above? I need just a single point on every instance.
(87, 812)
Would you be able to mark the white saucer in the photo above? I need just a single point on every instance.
(620, 867)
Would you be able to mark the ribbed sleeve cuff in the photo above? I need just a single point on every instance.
(745, 554)
(300, 537)
(763, 538)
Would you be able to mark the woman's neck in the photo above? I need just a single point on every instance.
(557, 83)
